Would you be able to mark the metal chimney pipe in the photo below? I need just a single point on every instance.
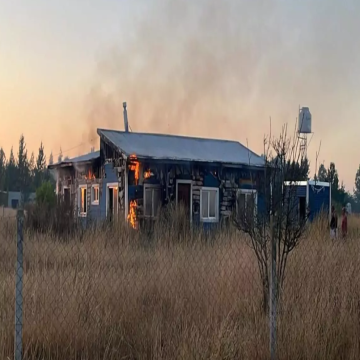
(126, 123)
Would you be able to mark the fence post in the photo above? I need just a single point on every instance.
(19, 286)
(273, 296)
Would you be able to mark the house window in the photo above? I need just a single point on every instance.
(82, 200)
(95, 194)
(246, 203)
(209, 204)
(152, 200)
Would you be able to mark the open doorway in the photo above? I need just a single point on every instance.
(302, 207)
(112, 201)
(67, 196)
(184, 195)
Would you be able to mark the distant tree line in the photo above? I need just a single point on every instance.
(340, 197)
(299, 171)
(24, 172)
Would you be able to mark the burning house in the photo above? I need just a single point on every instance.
(78, 183)
(134, 174)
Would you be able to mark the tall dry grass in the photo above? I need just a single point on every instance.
(117, 294)
(7, 212)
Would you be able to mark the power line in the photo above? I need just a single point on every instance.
(73, 148)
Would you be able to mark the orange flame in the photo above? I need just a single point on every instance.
(135, 167)
(132, 214)
(147, 174)
(90, 175)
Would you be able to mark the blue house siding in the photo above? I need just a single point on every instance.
(317, 194)
(319, 200)
(109, 177)
(301, 191)
(211, 181)
(93, 214)
(227, 180)
(97, 212)
(234, 180)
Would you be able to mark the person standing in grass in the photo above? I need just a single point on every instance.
(333, 223)
(344, 226)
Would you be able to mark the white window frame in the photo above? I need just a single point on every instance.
(189, 182)
(210, 219)
(150, 186)
(246, 192)
(82, 214)
(93, 201)
(114, 185)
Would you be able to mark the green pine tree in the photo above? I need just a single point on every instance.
(357, 188)
(48, 173)
(333, 177)
(60, 156)
(51, 159)
(23, 180)
(40, 167)
(11, 173)
(322, 173)
(31, 175)
(2, 169)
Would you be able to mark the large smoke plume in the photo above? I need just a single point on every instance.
(220, 69)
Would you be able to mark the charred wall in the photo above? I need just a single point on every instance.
(113, 170)
(165, 177)
(74, 177)
(150, 179)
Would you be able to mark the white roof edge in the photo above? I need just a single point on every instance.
(320, 183)
(304, 183)
(298, 183)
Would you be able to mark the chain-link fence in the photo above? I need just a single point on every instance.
(116, 293)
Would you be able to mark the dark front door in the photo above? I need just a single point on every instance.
(302, 207)
(14, 203)
(111, 203)
(184, 196)
(67, 197)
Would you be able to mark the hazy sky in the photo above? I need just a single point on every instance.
(204, 68)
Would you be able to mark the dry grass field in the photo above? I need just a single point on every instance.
(110, 294)
(7, 212)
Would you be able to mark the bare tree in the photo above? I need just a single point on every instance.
(278, 222)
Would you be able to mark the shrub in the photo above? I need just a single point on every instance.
(50, 215)
(45, 195)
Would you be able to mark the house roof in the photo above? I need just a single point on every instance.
(78, 159)
(180, 148)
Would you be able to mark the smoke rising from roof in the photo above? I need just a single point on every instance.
(220, 69)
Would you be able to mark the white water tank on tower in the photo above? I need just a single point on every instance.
(304, 125)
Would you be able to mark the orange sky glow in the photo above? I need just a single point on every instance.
(202, 70)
